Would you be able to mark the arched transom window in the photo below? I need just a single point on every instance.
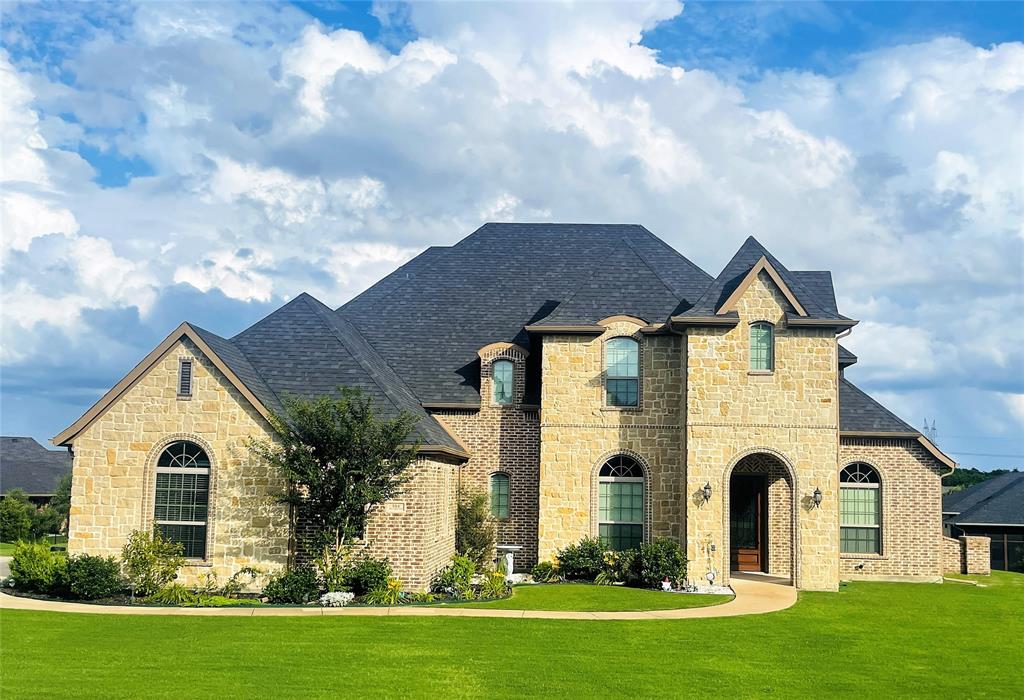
(183, 496)
(762, 347)
(621, 503)
(622, 372)
(502, 373)
(860, 510)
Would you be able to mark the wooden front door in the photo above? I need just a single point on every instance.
(747, 506)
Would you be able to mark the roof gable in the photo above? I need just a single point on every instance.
(762, 265)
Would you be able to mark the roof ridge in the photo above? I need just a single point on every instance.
(668, 287)
(664, 244)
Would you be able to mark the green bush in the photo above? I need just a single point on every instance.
(544, 572)
(474, 529)
(582, 561)
(150, 561)
(655, 561)
(92, 577)
(456, 579)
(15, 516)
(495, 586)
(388, 594)
(35, 568)
(366, 574)
(294, 586)
(173, 594)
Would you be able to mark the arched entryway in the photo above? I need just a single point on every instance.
(760, 516)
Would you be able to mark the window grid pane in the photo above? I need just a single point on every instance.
(501, 378)
(192, 538)
(181, 497)
(623, 392)
(859, 540)
(859, 506)
(499, 495)
(621, 537)
(760, 347)
(622, 358)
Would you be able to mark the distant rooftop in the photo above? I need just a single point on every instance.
(27, 465)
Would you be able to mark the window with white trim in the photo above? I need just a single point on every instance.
(860, 510)
(762, 347)
(182, 498)
(622, 372)
(185, 377)
(621, 503)
(499, 495)
(502, 378)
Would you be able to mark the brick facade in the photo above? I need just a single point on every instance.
(911, 499)
(976, 554)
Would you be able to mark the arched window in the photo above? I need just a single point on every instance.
(860, 510)
(621, 503)
(183, 496)
(499, 495)
(622, 372)
(501, 381)
(762, 347)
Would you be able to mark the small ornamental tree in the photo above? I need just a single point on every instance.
(340, 460)
(474, 529)
(15, 516)
(60, 504)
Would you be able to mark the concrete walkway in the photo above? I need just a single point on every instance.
(753, 597)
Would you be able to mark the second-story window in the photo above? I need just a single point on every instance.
(501, 379)
(762, 350)
(622, 372)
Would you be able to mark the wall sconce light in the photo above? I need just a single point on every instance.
(817, 497)
(707, 492)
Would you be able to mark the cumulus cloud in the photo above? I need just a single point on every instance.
(288, 156)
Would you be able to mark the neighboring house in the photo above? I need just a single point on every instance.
(993, 509)
(27, 465)
(591, 378)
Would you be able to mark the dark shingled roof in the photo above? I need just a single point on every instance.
(812, 289)
(846, 358)
(996, 500)
(27, 465)
(858, 412)
(429, 318)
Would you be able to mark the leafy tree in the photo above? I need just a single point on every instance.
(340, 460)
(150, 561)
(60, 504)
(474, 529)
(15, 516)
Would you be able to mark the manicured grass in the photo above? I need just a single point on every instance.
(868, 640)
(591, 598)
(998, 579)
(7, 548)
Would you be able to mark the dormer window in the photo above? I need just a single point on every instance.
(762, 350)
(622, 372)
(502, 379)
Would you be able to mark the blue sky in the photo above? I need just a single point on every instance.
(171, 161)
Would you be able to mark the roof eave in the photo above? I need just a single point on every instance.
(800, 322)
(566, 330)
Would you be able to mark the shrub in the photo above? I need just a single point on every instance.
(35, 568)
(474, 529)
(293, 586)
(234, 586)
(219, 601)
(150, 561)
(655, 561)
(495, 586)
(366, 573)
(544, 572)
(421, 597)
(336, 599)
(173, 594)
(92, 577)
(388, 594)
(15, 516)
(582, 561)
(456, 579)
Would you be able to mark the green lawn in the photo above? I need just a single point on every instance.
(869, 640)
(7, 548)
(591, 598)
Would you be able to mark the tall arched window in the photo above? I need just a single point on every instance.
(762, 347)
(860, 510)
(621, 503)
(502, 373)
(183, 496)
(499, 495)
(622, 372)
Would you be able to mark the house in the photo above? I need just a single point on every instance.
(994, 509)
(592, 379)
(27, 465)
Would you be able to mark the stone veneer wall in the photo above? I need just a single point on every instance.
(115, 458)
(791, 413)
(911, 508)
(578, 433)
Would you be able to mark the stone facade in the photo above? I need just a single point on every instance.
(579, 433)
(115, 458)
(911, 496)
(790, 413)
